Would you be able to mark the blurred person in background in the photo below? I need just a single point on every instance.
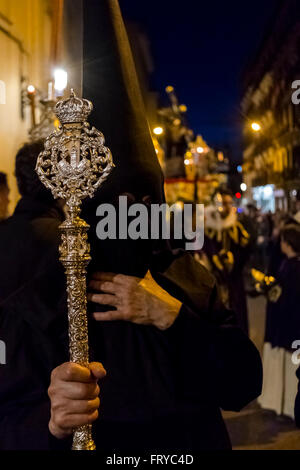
(4, 196)
(282, 326)
(275, 254)
(297, 212)
(264, 232)
(27, 233)
(29, 312)
(248, 218)
(226, 250)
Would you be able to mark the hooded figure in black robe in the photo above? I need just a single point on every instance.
(227, 246)
(282, 327)
(164, 388)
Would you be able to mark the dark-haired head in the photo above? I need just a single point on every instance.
(252, 209)
(290, 239)
(227, 201)
(3, 180)
(226, 192)
(4, 196)
(28, 182)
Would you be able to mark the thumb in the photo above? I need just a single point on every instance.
(148, 275)
(97, 370)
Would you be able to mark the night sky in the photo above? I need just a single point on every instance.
(201, 48)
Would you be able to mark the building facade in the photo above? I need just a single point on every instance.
(34, 40)
(26, 50)
(271, 121)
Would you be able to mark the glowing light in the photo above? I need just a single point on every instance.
(238, 195)
(31, 89)
(176, 122)
(60, 80)
(243, 187)
(158, 130)
(156, 151)
(255, 126)
(268, 190)
(183, 108)
(187, 162)
(200, 149)
(50, 91)
(179, 205)
(239, 168)
(169, 89)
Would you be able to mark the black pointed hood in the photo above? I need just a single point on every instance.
(110, 82)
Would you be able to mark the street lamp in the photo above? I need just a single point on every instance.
(243, 187)
(183, 108)
(256, 127)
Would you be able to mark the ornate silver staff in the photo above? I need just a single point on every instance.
(73, 165)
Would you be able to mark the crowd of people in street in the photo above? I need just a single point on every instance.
(275, 267)
(259, 254)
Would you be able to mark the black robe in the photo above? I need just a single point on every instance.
(236, 240)
(283, 315)
(163, 390)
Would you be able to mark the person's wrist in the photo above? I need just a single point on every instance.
(169, 315)
(57, 431)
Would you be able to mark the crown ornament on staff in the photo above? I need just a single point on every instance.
(73, 165)
(75, 161)
(73, 109)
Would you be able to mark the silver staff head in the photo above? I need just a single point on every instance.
(75, 162)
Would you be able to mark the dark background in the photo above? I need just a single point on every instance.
(202, 48)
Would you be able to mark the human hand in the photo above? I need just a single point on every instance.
(73, 392)
(137, 300)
